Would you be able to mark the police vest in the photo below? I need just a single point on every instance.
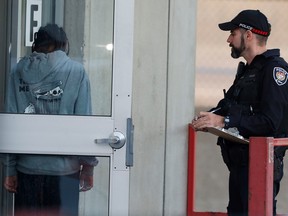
(247, 89)
(248, 85)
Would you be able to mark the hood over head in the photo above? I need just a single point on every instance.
(38, 66)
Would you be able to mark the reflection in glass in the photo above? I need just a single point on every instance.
(94, 201)
(98, 52)
(90, 35)
(89, 28)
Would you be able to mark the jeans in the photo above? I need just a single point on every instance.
(47, 195)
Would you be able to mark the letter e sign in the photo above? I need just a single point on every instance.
(33, 20)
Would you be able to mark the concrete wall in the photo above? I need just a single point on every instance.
(163, 95)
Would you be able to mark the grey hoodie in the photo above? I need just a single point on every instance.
(48, 84)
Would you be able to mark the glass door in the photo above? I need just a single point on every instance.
(100, 34)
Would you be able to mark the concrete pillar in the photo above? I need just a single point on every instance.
(163, 95)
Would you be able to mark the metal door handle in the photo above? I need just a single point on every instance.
(116, 140)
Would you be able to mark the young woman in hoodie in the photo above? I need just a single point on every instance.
(48, 82)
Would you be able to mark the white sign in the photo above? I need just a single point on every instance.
(33, 19)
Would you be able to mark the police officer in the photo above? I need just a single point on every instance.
(256, 103)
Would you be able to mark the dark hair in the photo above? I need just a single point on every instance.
(262, 40)
(49, 36)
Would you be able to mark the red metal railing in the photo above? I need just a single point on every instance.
(260, 175)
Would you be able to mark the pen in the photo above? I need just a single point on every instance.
(215, 110)
(212, 111)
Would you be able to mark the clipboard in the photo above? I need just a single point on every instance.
(226, 134)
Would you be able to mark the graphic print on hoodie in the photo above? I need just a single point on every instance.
(47, 96)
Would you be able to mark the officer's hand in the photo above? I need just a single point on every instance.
(207, 119)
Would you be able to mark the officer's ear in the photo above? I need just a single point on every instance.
(249, 35)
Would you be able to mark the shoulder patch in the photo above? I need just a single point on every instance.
(280, 75)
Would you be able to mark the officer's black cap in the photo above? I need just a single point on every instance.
(252, 20)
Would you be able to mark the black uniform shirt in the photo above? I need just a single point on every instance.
(261, 106)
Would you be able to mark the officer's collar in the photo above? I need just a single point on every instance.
(265, 55)
(271, 52)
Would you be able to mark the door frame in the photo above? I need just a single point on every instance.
(121, 111)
